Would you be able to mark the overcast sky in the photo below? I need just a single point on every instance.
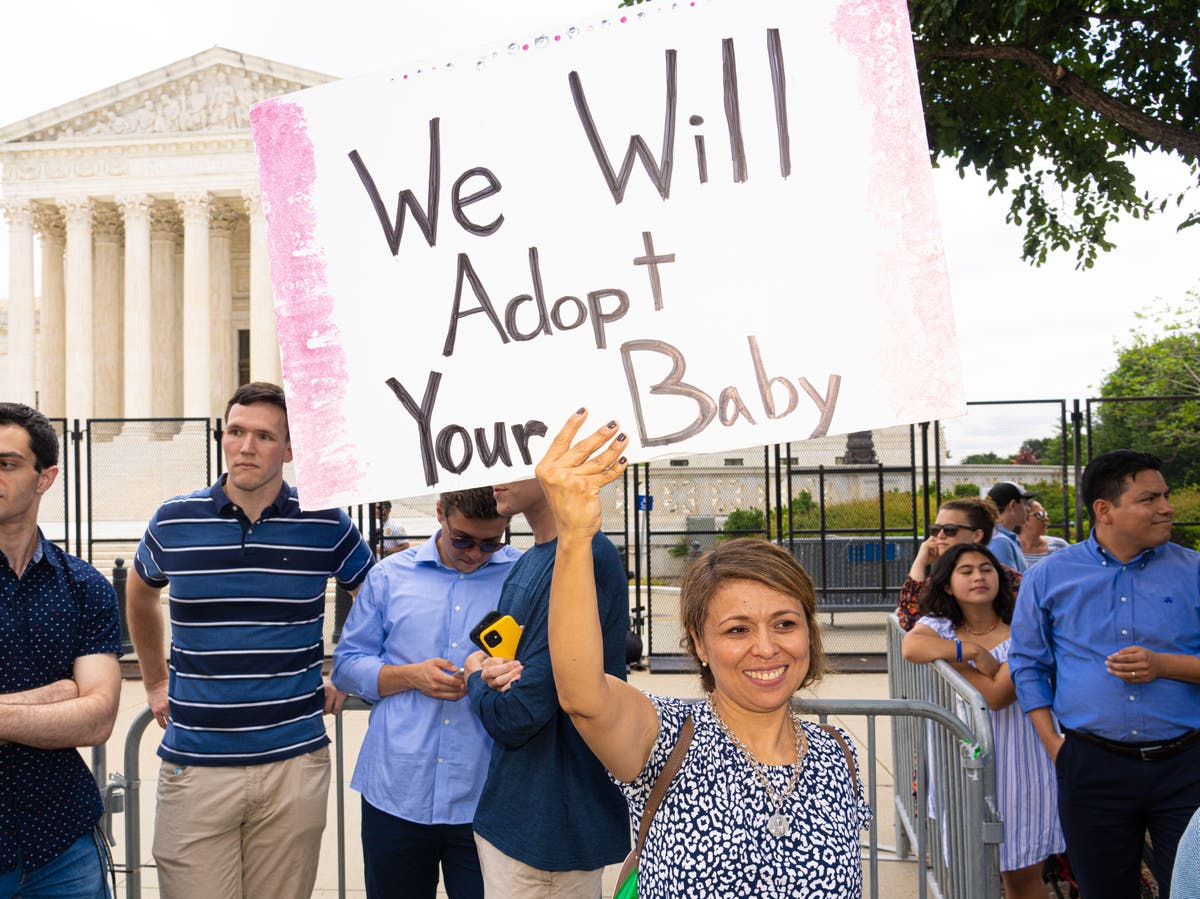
(1024, 333)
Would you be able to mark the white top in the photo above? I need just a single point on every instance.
(394, 535)
(1026, 787)
(1053, 545)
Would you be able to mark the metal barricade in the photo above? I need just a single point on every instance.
(957, 832)
(124, 787)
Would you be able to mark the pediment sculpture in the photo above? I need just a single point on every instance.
(216, 99)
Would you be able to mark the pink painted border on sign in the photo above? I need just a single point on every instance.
(922, 355)
(314, 361)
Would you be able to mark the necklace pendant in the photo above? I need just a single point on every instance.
(779, 825)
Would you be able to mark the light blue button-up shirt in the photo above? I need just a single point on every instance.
(423, 759)
(1079, 606)
(1006, 547)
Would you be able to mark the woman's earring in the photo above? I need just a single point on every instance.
(703, 664)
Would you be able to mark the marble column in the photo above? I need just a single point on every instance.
(77, 211)
(220, 280)
(197, 306)
(107, 334)
(137, 340)
(52, 349)
(21, 347)
(264, 344)
(164, 316)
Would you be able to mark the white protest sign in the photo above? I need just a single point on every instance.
(713, 221)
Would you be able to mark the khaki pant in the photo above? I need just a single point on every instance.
(241, 832)
(505, 877)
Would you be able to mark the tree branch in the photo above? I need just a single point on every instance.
(1170, 137)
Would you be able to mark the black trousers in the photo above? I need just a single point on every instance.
(1107, 802)
(401, 859)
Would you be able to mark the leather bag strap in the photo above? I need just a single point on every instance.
(659, 790)
(833, 732)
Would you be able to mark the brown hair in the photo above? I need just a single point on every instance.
(259, 392)
(476, 503)
(981, 512)
(747, 559)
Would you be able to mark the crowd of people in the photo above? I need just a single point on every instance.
(497, 776)
(525, 775)
(1089, 658)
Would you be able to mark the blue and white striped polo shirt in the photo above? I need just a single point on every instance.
(247, 607)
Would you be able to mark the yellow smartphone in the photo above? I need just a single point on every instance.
(497, 635)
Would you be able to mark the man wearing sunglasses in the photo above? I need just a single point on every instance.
(425, 756)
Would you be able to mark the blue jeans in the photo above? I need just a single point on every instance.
(78, 872)
(401, 859)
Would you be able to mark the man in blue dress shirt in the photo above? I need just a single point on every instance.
(1106, 635)
(1010, 499)
(425, 757)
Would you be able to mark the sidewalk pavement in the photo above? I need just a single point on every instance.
(896, 879)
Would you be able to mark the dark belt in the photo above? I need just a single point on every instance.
(1146, 752)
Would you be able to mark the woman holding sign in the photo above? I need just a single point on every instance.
(755, 800)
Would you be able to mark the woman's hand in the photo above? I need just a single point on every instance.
(985, 662)
(572, 475)
(924, 560)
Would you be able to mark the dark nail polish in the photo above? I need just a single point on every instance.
(580, 410)
(611, 425)
(621, 438)
(621, 460)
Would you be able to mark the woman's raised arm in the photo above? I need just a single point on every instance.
(616, 720)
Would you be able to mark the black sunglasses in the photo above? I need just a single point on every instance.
(487, 546)
(950, 529)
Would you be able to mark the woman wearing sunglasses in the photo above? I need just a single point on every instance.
(969, 520)
(1035, 543)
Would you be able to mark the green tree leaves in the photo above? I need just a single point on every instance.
(1047, 97)
(1161, 362)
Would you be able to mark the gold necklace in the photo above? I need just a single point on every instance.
(778, 824)
(966, 627)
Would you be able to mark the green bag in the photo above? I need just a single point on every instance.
(628, 887)
(627, 878)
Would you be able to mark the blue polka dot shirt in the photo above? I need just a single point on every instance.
(61, 608)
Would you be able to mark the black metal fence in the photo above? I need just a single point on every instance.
(852, 510)
(856, 520)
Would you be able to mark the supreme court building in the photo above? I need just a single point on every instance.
(143, 199)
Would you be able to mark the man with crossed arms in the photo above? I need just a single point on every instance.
(59, 681)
